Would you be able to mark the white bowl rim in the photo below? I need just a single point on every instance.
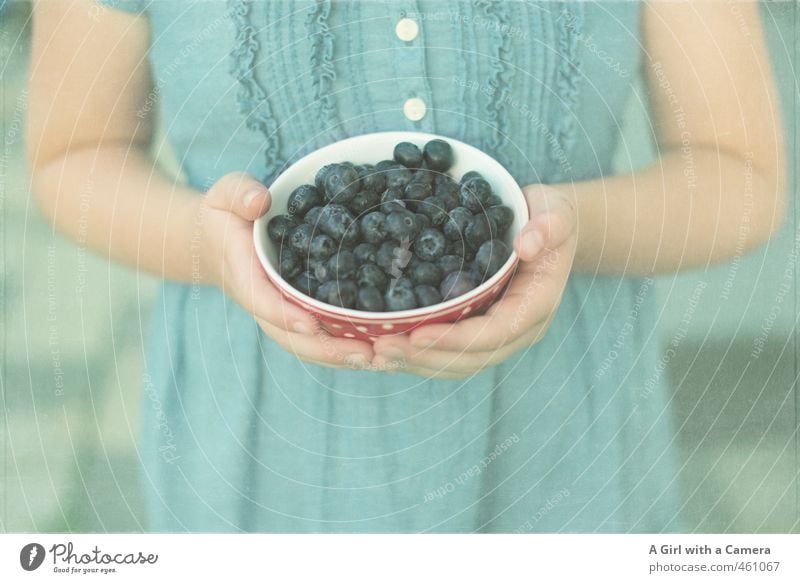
(259, 238)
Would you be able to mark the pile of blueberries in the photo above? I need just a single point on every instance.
(398, 235)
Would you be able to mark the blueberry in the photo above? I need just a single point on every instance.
(300, 239)
(493, 200)
(455, 247)
(345, 295)
(456, 284)
(392, 257)
(502, 216)
(446, 186)
(373, 227)
(352, 236)
(279, 227)
(340, 293)
(372, 276)
(397, 177)
(438, 155)
(321, 247)
(415, 193)
(402, 282)
(303, 199)
(372, 179)
(475, 194)
(290, 264)
(341, 183)
(384, 257)
(401, 225)
(423, 221)
(312, 216)
(412, 263)
(424, 175)
(435, 209)
(461, 249)
(450, 202)
(400, 297)
(306, 283)
(491, 256)
(469, 176)
(320, 269)
(427, 295)
(457, 222)
(343, 264)
(476, 273)
(384, 165)
(363, 202)
(335, 221)
(319, 178)
(369, 299)
(481, 228)
(408, 154)
(365, 253)
(325, 290)
(392, 200)
(430, 245)
(426, 273)
(450, 263)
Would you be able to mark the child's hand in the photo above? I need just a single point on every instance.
(520, 318)
(229, 257)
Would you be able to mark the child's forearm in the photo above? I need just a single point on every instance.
(111, 199)
(681, 211)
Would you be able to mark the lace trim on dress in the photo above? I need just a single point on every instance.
(570, 30)
(251, 96)
(502, 75)
(322, 69)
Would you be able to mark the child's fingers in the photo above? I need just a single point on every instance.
(399, 348)
(552, 221)
(530, 300)
(321, 348)
(241, 194)
(244, 279)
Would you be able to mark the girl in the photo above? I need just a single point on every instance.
(548, 413)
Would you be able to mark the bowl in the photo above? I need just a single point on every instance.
(370, 149)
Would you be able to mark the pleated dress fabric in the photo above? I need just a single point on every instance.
(571, 435)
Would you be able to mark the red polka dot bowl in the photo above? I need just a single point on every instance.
(370, 149)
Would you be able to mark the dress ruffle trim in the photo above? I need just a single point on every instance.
(251, 96)
(502, 75)
(323, 73)
(570, 30)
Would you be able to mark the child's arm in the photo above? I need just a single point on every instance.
(717, 188)
(94, 181)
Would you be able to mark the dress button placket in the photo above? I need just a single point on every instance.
(413, 95)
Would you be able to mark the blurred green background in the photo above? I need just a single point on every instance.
(73, 327)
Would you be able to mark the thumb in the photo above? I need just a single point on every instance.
(240, 194)
(553, 218)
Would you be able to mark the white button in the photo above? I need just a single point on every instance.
(414, 109)
(407, 29)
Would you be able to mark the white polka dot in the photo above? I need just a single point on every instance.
(407, 29)
(349, 335)
(466, 310)
(414, 109)
(388, 326)
(337, 326)
(361, 328)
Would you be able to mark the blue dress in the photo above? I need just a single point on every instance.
(571, 435)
